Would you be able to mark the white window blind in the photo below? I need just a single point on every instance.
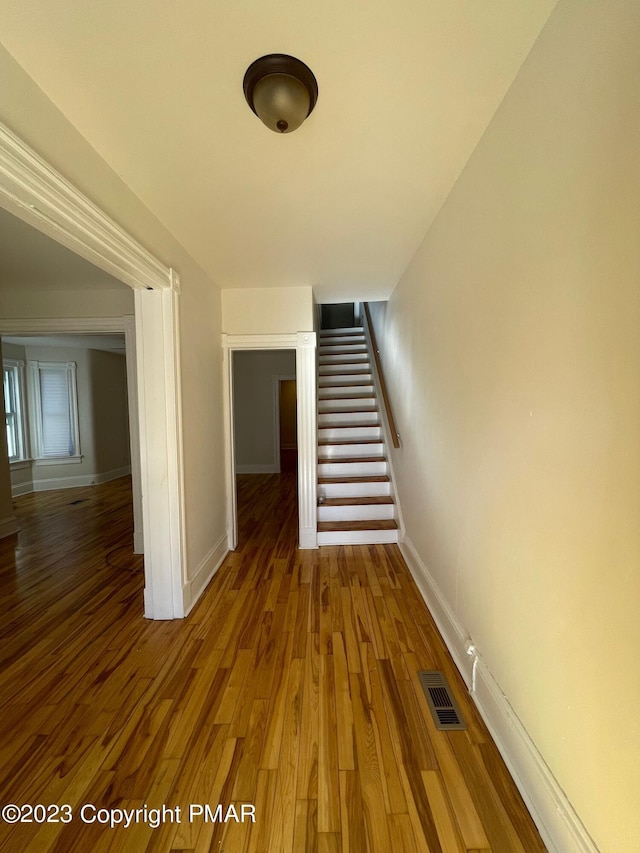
(10, 413)
(13, 407)
(54, 398)
(57, 438)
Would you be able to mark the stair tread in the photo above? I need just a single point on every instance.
(349, 425)
(323, 442)
(341, 460)
(331, 481)
(351, 397)
(372, 524)
(362, 501)
(358, 364)
(362, 383)
(346, 412)
(336, 346)
(341, 333)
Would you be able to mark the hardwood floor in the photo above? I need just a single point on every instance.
(291, 686)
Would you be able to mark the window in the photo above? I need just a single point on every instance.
(54, 407)
(13, 381)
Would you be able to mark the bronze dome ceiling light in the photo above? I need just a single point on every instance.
(281, 90)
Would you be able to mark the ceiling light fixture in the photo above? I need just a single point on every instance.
(281, 90)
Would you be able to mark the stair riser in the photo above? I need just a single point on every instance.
(358, 537)
(349, 358)
(335, 340)
(336, 451)
(356, 513)
(326, 419)
(354, 490)
(351, 469)
(341, 433)
(342, 369)
(348, 404)
(334, 349)
(343, 330)
(337, 379)
(344, 391)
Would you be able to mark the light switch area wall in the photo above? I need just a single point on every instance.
(254, 407)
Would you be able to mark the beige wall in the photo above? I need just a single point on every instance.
(513, 354)
(54, 304)
(254, 406)
(109, 410)
(267, 311)
(25, 109)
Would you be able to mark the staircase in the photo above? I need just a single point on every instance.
(355, 503)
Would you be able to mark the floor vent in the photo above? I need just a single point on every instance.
(444, 708)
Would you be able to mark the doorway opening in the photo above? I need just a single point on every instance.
(302, 346)
(265, 440)
(288, 423)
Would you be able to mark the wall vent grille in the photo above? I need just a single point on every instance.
(444, 708)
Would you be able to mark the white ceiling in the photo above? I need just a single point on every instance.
(406, 89)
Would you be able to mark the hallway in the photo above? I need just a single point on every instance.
(291, 686)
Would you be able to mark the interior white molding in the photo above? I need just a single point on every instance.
(35, 192)
(194, 588)
(557, 821)
(160, 419)
(22, 489)
(306, 377)
(134, 430)
(304, 344)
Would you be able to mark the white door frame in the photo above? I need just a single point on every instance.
(304, 344)
(39, 195)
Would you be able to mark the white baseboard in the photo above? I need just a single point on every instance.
(22, 489)
(272, 468)
(559, 825)
(53, 483)
(8, 526)
(557, 821)
(308, 538)
(193, 589)
(454, 635)
(138, 542)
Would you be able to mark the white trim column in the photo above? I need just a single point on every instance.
(159, 407)
(134, 430)
(229, 443)
(307, 439)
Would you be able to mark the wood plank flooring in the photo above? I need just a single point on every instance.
(292, 686)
